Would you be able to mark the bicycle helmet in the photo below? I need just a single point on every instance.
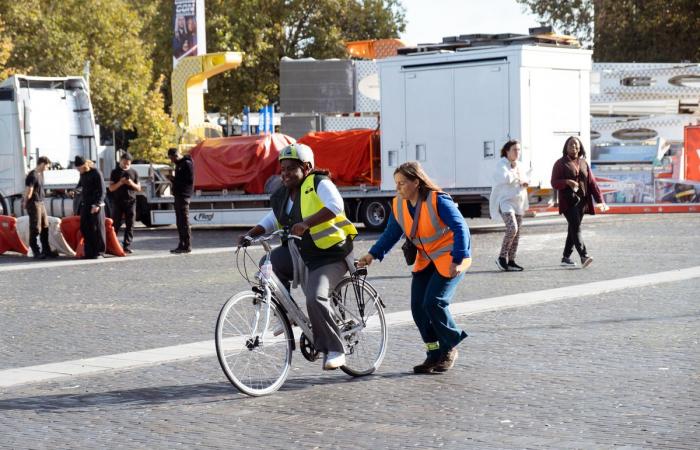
(300, 152)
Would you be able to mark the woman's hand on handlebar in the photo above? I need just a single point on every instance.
(365, 261)
(299, 229)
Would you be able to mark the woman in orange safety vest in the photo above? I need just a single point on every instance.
(443, 255)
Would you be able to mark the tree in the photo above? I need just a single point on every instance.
(572, 17)
(647, 30)
(268, 30)
(5, 52)
(156, 130)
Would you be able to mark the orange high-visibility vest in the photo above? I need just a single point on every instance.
(433, 238)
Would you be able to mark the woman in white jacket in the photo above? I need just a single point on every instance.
(509, 200)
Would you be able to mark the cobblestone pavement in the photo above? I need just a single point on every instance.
(619, 370)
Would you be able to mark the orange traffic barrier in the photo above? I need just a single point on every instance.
(70, 228)
(9, 239)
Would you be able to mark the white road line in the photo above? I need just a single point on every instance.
(131, 360)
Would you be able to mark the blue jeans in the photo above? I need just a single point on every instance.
(431, 295)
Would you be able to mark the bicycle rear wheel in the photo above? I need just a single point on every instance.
(256, 363)
(362, 326)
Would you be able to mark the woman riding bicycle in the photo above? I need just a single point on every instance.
(310, 205)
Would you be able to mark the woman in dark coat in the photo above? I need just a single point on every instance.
(92, 206)
(576, 186)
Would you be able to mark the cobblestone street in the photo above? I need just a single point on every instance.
(620, 369)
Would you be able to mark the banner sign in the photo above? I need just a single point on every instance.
(189, 38)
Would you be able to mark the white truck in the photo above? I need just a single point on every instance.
(42, 116)
(451, 107)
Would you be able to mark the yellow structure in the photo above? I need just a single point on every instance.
(187, 85)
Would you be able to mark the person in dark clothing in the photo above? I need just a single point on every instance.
(576, 188)
(182, 187)
(92, 205)
(33, 202)
(309, 204)
(124, 184)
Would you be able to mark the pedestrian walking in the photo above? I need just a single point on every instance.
(509, 201)
(311, 206)
(576, 187)
(124, 184)
(440, 254)
(182, 187)
(92, 205)
(33, 202)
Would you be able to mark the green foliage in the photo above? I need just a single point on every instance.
(156, 130)
(572, 17)
(57, 37)
(647, 31)
(5, 52)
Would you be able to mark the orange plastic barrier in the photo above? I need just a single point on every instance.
(70, 228)
(9, 239)
(692, 153)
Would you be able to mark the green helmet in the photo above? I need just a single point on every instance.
(300, 152)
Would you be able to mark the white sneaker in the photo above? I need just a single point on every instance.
(333, 360)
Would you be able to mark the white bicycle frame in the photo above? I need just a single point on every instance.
(291, 309)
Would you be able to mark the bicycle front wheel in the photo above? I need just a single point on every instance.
(362, 325)
(256, 359)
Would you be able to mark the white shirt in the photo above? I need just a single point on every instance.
(507, 193)
(327, 192)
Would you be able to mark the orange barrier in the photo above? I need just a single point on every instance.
(9, 239)
(70, 228)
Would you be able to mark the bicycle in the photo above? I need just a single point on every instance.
(254, 331)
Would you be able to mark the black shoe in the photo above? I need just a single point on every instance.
(181, 250)
(513, 267)
(567, 262)
(39, 256)
(501, 263)
(176, 250)
(586, 261)
(429, 364)
(127, 250)
(51, 255)
(447, 361)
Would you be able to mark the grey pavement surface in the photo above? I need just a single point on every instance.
(619, 370)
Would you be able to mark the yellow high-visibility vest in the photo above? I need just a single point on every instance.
(327, 234)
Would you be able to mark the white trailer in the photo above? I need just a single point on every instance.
(453, 111)
(42, 116)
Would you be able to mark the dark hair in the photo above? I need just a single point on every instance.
(413, 171)
(507, 147)
(172, 151)
(126, 156)
(581, 150)
(43, 160)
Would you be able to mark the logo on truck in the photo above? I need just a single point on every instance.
(204, 217)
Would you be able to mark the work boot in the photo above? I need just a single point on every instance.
(447, 361)
(427, 366)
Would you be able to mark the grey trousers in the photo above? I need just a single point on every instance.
(317, 290)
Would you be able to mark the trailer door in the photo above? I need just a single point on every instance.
(430, 122)
(481, 121)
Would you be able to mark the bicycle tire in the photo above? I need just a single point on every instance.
(256, 365)
(365, 348)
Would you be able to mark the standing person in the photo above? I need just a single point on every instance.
(182, 186)
(444, 254)
(309, 203)
(92, 206)
(33, 202)
(576, 188)
(509, 200)
(124, 184)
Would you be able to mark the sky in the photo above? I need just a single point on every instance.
(428, 21)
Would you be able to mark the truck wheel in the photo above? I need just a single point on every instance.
(374, 213)
(4, 209)
(143, 213)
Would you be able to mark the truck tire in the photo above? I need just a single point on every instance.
(374, 213)
(143, 212)
(4, 208)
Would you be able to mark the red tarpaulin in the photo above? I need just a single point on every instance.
(237, 162)
(352, 156)
(692, 153)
